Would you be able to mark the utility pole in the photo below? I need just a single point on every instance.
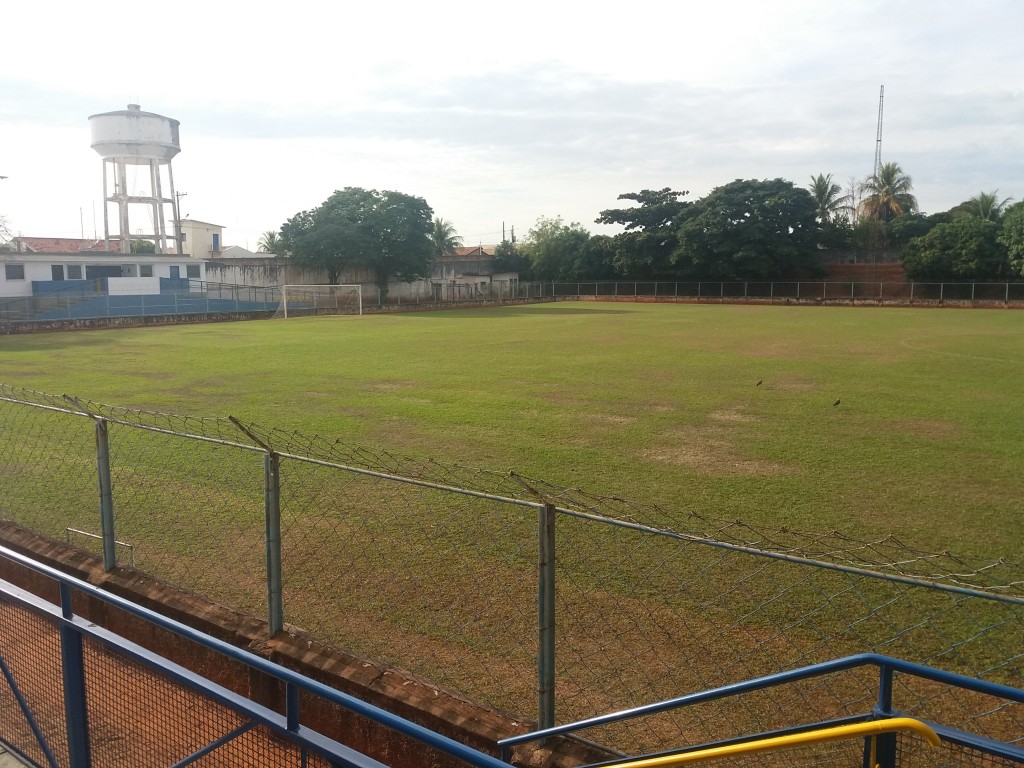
(177, 220)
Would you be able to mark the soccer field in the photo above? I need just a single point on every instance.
(659, 403)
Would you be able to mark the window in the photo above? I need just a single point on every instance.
(216, 242)
(14, 271)
(192, 270)
(145, 270)
(74, 271)
(57, 271)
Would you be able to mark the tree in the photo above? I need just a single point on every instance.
(142, 246)
(829, 200)
(399, 227)
(1012, 238)
(967, 248)
(658, 209)
(905, 228)
(831, 211)
(386, 232)
(507, 258)
(444, 237)
(645, 249)
(887, 194)
(751, 229)
(987, 205)
(557, 251)
(332, 236)
(271, 242)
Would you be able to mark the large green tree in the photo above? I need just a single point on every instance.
(905, 228)
(887, 194)
(1012, 238)
(751, 229)
(444, 238)
(966, 248)
(657, 209)
(509, 258)
(645, 249)
(557, 251)
(385, 231)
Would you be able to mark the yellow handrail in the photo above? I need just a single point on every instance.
(870, 728)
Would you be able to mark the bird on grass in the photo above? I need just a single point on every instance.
(759, 382)
(835, 403)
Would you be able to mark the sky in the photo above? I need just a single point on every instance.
(500, 113)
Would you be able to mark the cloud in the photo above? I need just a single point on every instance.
(550, 111)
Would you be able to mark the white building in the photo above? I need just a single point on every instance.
(200, 239)
(37, 266)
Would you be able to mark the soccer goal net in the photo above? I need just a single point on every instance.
(297, 300)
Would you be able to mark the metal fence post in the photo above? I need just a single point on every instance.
(106, 495)
(272, 495)
(880, 750)
(73, 677)
(546, 617)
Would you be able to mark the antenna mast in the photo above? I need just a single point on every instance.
(878, 139)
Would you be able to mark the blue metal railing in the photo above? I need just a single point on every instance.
(886, 665)
(73, 629)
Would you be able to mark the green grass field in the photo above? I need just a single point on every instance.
(653, 402)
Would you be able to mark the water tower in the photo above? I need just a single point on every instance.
(137, 147)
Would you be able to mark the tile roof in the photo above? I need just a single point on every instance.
(478, 251)
(58, 244)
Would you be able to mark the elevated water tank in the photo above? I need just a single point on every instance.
(134, 135)
(129, 138)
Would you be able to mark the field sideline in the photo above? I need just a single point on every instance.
(652, 402)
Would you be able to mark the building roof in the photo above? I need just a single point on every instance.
(475, 250)
(57, 244)
(238, 252)
(95, 257)
(187, 220)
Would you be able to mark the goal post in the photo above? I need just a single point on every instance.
(300, 300)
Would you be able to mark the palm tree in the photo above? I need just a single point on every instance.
(270, 242)
(887, 194)
(987, 205)
(828, 197)
(444, 237)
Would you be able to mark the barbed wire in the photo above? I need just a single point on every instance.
(432, 567)
(886, 556)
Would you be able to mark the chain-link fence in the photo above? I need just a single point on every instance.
(541, 601)
(78, 695)
(73, 300)
(782, 290)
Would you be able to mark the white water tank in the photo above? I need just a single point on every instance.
(136, 148)
(135, 136)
